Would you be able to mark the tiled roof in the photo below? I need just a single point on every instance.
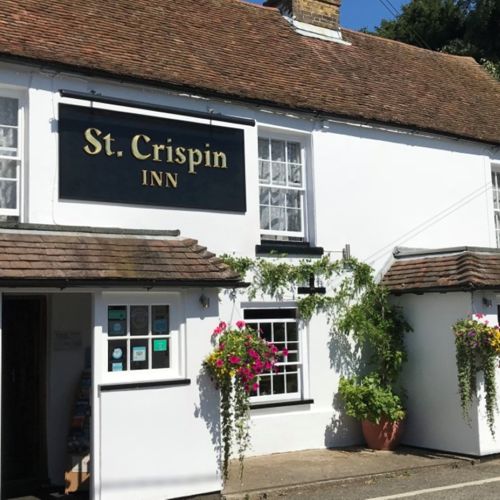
(243, 51)
(458, 269)
(70, 260)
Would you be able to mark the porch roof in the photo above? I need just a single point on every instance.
(443, 270)
(68, 259)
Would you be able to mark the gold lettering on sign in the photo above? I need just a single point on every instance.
(134, 146)
(180, 156)
(219, 156)
(156, 178)
(107, 145)
(91, 136)
(194, 159)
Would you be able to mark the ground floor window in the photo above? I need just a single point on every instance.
(495, 181)
(138, 337)
(279, 326)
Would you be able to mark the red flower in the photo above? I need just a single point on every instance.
(255, 386)
(234, 360)
(219, 363)
(217, 331)
(222, 325)
(240, 324)
(284, 352)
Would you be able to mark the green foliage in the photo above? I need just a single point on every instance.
(477, 346)
(380, 326)
(462, 27)
(369, 399)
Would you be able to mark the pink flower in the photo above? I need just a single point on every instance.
(273, 348)
(219, 363)
(479, 315)
(253, 354)
(222, 325)
(284, 352)
(217, 331)
(240, 324)
(255, 386)
(234, 360)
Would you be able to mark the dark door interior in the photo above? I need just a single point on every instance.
(24, 463)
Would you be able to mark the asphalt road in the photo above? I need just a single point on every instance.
(467, 482)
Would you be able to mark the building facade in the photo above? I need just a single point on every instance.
(130, 132)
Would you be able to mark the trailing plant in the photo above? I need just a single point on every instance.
(477, 346)
(238, 358)
(369, 399)
(277, 277)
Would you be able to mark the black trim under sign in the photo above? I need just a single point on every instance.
(115, 157)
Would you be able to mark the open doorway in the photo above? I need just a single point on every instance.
(24, 440)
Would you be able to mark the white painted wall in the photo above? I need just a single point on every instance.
(67, 313)
(159, 442)
(430, 376)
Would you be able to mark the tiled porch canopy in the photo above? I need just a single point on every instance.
(443, 270)
(66, 259)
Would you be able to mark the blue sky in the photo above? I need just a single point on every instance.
(356, 14)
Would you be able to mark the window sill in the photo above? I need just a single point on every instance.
(267, 247)
(277, 404)
(144, 385)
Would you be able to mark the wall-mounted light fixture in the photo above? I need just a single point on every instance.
(204, 301)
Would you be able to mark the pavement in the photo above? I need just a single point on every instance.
(282, 474)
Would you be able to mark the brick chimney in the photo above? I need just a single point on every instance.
(320, 13)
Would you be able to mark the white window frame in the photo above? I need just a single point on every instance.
(176, 369)
(300, 394)
(495, 190)
(21, 130)
(304, 195)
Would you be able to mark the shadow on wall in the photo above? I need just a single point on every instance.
(209, 410)
(346, 360)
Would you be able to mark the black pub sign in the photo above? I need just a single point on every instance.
(116, 157)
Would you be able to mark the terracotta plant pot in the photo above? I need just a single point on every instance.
(384, 435)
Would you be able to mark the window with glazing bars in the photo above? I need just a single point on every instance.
(280, 327)
(281, 189)
(10, 155)
(495, 181)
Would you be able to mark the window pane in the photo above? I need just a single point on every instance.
(160, 323)
(8, 111)
(265, 196)
(295, 175)
(278, 219)
(278, 384)
(139, 320)
(278, 197)
(292, 334)
(292, 357)
(293, 220)
(265, 331)
(293, 152)
(265, 385)
(117, 321)
(278, 150)
(279, 332)
(138, 353)
(8, 139)
(8, 168)
(264, 149)
(264, 171)
(117, 355)
(292, 382)
(264, 217)
(279, 173)
(8, 194)
(293, 199)
(160, 355)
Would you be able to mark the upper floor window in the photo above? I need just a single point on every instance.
(282, 189)
(495, 180)
(10, 154)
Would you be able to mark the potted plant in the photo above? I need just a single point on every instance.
(378, 328)
(379, 409)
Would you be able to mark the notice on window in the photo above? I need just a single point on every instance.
(160, 345)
